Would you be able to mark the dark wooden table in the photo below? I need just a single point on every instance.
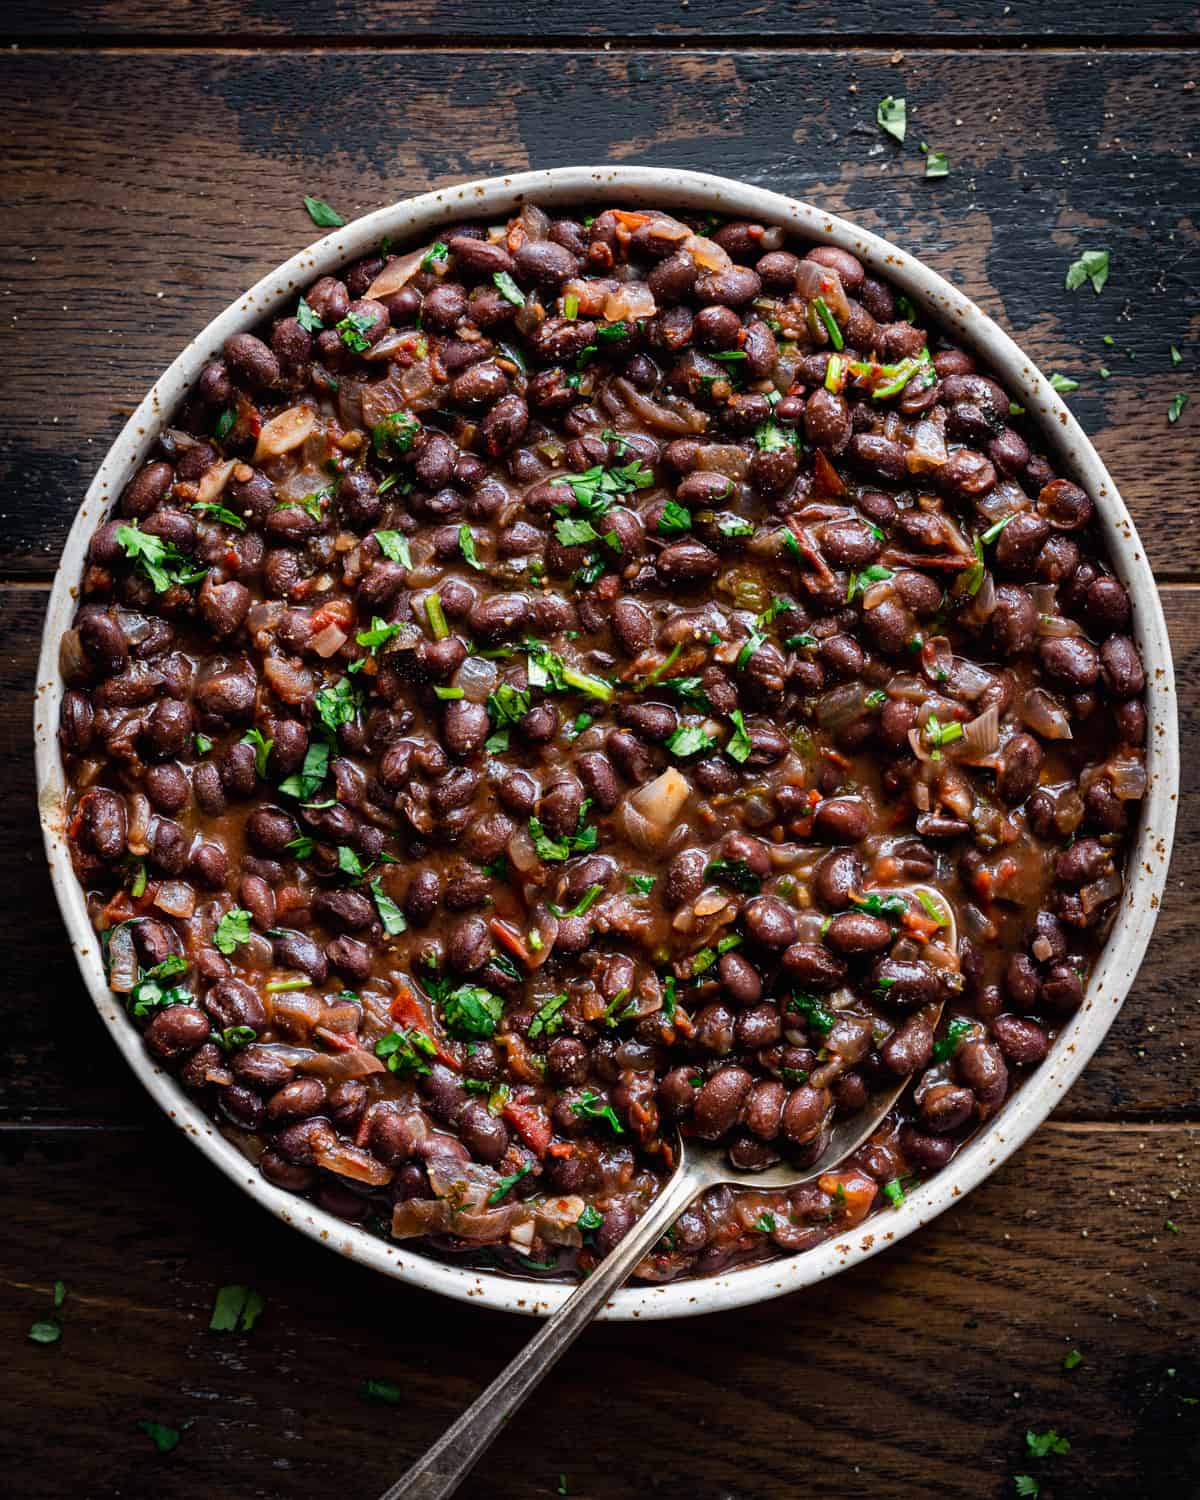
(154, 154)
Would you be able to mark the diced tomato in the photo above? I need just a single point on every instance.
(853, 1202)
(406, 1011)
(531, 1123)
(511, 939)
(338, 611)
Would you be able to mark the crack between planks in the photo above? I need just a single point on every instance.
(870, 44)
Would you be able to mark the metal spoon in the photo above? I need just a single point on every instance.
(448, 1462)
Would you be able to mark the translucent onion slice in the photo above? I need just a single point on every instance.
(285, 432)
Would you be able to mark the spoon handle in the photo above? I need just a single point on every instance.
(447, 1463)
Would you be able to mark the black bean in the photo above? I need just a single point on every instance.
(769, 922)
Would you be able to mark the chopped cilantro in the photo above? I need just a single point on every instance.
(389, 913)
(262, 749)
(506, 1184)
(466, 545)
(406, 1052)
(44, 1333)
(354, 328)
(813, 1012)
(1175, 410)
(233, 930)
(1063, 383)
(220, 513)
(392, 436)
(936, 164)
(739, 745)
(548, 1021)
(307, 318)
(471, 1010)
(689, 739)
(675, 519)
(589, 1107)
(394, 547)
(508, 288)
(305, 782)
(1071, 1360)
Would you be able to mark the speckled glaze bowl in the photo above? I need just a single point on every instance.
(413, 221)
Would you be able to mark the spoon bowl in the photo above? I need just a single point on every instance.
(699, 1165)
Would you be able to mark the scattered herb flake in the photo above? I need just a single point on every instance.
(1041, 1444)
(322, 215)
(44, 1333)
(1063, 383)
(165, 1439)
(385, 1392)
(1175, 410)
(506, 1184)
(936, 164)
(1091, 266)
(236, 1309)
(1071, 1360)
(892, 115)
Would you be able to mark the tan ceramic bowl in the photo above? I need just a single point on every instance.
(416, 220)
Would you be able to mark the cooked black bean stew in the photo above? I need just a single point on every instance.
(507, 711)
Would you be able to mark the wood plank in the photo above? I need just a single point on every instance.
(916, 1374)
(57, 1062)
(125, 238)
(881, 21)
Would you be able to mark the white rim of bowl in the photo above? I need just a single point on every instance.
(497, 197)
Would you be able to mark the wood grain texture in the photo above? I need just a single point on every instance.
(124, 236)
(144, 187)
(915, 1374)
(672, 21)
(57, 1061)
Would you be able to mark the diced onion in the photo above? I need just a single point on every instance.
(213, 480)
(1045, 716)
(137, 831)
(398, 273)
(328, 641)
(351, 1161)
(176, 898)
(1127, 776)
(522, 852)
(633, 299)
(680, 420)
(649, 814)
(284, 432)
(122, 959)
(842, 706)
(928, 451)
(1100, 892)
(293, 684)
(981, 736)
(1056, 627)
(477, 678)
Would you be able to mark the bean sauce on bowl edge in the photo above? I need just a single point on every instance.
(507, 708)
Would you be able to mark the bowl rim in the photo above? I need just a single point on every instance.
(407, 220)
